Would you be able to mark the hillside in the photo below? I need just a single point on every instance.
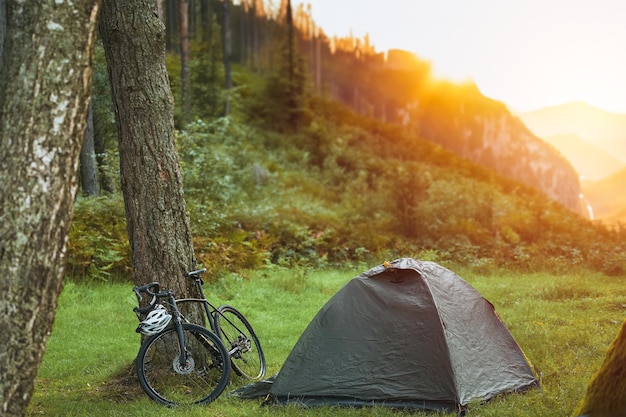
(483, 130)
(591, 163)
(601, 128)
(322, 171)
(344, 189)
(608, 197)
(456, 116)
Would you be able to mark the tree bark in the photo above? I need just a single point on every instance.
(606, 392)
(184, 59)
(160, 8)
(3, 28)
(156, 214)
(227, 39)
(45, 86)
(88, 165)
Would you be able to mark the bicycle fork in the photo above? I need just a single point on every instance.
(184, 363)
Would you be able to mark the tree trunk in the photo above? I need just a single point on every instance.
(291, 43)
(228, 53)
(184, 59)
(3, 29)
(45, 84)
(156, 214)
(254, 37)
(160, 9)
(171, 24)
(205, 20)
(318, 62)
(606, 394)
(88, 165)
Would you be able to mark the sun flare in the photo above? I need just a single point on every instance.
(527, 53)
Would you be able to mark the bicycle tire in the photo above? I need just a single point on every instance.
(162, 378)
(246, 355)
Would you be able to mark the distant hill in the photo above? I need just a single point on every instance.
(599, 127)
(608, 197)
(591, 162)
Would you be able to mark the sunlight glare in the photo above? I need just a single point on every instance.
(456, 74)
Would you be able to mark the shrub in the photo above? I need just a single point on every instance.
(98, 247)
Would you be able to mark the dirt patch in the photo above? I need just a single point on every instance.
(121, 387)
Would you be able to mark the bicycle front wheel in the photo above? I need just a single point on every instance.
(200, 379)
(246, 356)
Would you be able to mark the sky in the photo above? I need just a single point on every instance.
(528, 54)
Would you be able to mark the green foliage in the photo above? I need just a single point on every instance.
(217, 163)
(98, 248)
(368, 193)
(333, 187)
(283, 105)
(207, 79)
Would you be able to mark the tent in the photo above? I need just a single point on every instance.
(406, 334)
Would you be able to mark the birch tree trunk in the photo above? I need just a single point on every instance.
(45, 87)
(156, 214)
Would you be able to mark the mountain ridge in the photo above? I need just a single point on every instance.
(483, 130)
(602, 128)
(607, 197)
(591, 162)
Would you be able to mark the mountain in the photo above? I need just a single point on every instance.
(607, 197)
(599, 127)
(483, 130)
(591, 162)
(457, 117)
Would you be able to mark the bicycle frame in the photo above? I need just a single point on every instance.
(234, 333)
(176, 314)
(208, 308)
(210, 311)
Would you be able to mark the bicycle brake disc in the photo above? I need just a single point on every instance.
(185, 368)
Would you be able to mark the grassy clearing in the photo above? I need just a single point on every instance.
(564, 323)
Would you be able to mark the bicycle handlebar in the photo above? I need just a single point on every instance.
(152, 289)
(195, 274)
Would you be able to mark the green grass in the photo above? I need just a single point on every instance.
(564, 324)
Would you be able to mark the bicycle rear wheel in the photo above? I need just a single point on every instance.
(246, 356)
(199, 381)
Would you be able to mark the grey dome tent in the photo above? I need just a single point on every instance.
(407, 334)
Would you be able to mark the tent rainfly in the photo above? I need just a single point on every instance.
(405, 334)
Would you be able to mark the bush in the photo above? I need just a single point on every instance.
(98, 248)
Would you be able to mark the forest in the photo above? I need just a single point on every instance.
(240, 138)
(294, 153)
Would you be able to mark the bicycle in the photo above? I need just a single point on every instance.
(244, 348)
(236, 337)
(179, 363)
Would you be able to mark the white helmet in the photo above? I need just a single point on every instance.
(155, 321)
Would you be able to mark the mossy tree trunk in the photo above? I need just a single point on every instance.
(606, 394)
(45, 87)
(160, 237)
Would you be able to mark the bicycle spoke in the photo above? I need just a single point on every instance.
(202, 377)
(245, 351)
